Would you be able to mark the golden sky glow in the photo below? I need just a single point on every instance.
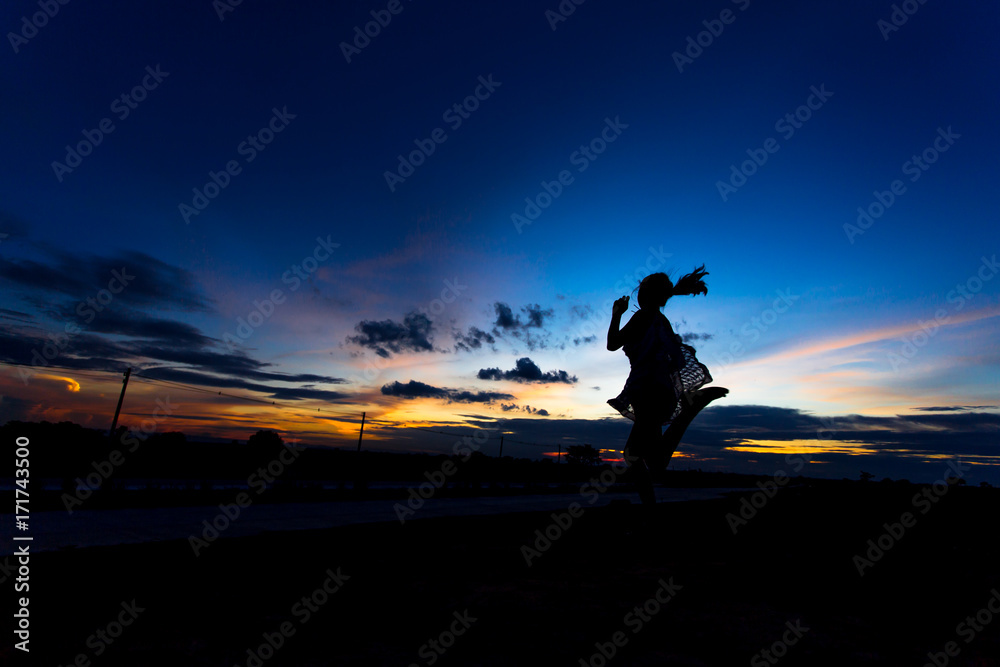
(786, 447)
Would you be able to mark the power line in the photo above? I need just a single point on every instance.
(146, 378)
(426, 430)
(77, 371)
(222, 393)
(202, 390)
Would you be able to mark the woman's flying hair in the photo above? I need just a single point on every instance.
(692, 283)
(656, 288)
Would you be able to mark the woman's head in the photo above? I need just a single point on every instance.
(656, 288)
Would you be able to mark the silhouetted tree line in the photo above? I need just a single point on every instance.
(66, 450)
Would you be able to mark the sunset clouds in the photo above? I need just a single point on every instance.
(309, 293)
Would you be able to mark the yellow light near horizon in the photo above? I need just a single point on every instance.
(800, 447)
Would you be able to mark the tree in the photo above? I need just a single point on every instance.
(583, 455)
(265, 443)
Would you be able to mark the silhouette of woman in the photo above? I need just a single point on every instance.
(664, 385)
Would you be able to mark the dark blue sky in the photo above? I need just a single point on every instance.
(648, 200)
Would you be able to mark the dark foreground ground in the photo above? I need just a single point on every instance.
(785, 582)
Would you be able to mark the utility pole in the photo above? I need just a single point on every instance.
(362, 432)
(359, 481)
(114, 422)
(499, 463)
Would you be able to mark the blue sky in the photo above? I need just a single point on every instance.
(648, 200)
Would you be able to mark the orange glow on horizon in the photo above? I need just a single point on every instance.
(804, 446)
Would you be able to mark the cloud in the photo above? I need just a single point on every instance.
(505, 317)
(688, 337)
(814, 348)
(958, 408)
(508, 321)
(473, 340)
(168, 341)
(509, 407)
(15, 315)
(536, 316)
(479, 396)
(584, 340)
(72, 278)
(923, 434)
(526, 371)
(195, 377)
(527, 330)
(127, 322)
(387, 336)
(414, 389)
(915, 447)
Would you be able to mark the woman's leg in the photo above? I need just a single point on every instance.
(640, 449)
(674, 433)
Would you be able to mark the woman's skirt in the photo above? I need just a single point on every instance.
(669, 394)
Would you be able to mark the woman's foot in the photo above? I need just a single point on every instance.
(622, 406)
(697, 400)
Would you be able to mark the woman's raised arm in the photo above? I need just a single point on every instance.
(615, 338)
